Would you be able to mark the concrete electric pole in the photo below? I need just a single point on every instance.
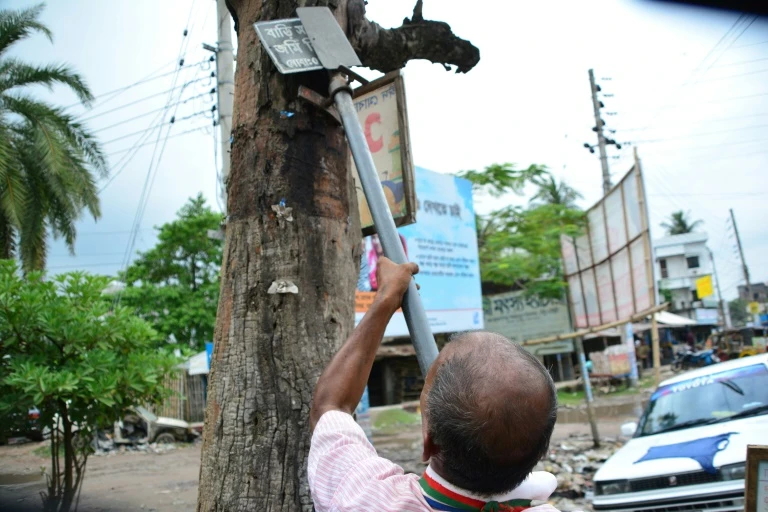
(596, 106)
(756, 317)
(225, 89)
(741, 255)
(724, 313)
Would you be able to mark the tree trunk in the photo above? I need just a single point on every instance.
(270, 348)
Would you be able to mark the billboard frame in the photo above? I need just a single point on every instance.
(586, 273)
(395, 78)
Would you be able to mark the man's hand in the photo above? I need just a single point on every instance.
(393, 281)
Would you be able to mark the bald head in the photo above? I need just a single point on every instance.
(490, 410)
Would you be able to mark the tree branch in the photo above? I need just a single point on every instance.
(390, 49)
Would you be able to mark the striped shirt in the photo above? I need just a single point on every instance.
(346, 474)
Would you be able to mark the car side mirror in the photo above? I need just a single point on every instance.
(629, 429)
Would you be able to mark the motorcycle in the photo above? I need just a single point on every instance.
(688, 358)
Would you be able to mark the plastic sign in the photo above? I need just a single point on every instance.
(288, 45)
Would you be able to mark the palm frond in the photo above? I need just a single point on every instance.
(14, 73)
(16, 25)
(12, 187)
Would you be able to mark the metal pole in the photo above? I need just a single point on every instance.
(720, 301)
(413, 309)
(656, 349)
(600, 138)
(587, 390)
(225, 90)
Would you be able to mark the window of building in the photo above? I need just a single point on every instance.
(664, 271)
(694, 295)
(693, 261)
(757, 296)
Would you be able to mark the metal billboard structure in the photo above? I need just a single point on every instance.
(609, 269)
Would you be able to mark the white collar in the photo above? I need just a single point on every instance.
(538, 486)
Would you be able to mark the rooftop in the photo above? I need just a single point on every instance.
(687, 238)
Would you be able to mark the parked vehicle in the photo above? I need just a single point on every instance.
(21, 425)
(140, 425)
(687, 358)
(688, 451)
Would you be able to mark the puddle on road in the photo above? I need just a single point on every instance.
(603, 412)
(16, 479)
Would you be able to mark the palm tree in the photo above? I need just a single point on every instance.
(49, 162)
(551, 192)
(679, 223)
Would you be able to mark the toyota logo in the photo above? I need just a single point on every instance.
(673, 480)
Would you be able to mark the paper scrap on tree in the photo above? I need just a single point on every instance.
(282, 286)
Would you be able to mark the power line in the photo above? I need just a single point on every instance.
(201, 127)
(699, 121)
(173, 121)
(715, 79)
(149, 78)
(700, 134)
(741, 62)
(145, 114)
(750, 44)
(182, 86)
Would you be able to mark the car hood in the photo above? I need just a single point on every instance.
(171, 422)
(624, 463)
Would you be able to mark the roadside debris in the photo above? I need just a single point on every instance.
(574, 462)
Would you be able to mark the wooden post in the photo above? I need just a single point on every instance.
(587, 390)
(656, 349)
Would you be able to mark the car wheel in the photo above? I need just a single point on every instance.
(165, 438)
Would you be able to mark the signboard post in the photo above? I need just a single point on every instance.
(332, 50)
(756, 484)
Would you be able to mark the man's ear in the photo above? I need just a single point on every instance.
(430, 448)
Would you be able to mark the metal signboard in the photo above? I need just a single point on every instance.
(522, 318)
(327, 38)
(608, 268)
(288, 45)
(382, 112)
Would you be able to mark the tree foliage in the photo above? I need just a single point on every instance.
(738, 310)
(680, 223)
(49, 162)
(550, 191)
(175, 285)
(520, 247)
(81, 363)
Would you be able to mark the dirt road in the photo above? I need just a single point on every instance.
(168, 481)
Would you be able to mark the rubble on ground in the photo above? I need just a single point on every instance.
(574, 462)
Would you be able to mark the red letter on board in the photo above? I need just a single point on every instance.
(373, 145)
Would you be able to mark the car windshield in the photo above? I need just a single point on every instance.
(708, 399)
(148, 415)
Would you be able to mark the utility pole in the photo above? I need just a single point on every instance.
(720, 302)
(741, 255)
(756, 317)
(596, 106)
(225, 89)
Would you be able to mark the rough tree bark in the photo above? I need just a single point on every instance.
(270, 348)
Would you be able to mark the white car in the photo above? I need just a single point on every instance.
(689, 448)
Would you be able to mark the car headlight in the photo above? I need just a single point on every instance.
(733, 471)
(614, 487)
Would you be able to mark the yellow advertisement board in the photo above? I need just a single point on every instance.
(704, 287)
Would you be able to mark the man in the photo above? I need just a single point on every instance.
(488, 410)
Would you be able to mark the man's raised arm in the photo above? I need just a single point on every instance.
(341, 385)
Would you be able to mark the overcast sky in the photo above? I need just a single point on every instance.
(689, 89)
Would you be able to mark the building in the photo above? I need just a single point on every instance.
(680, 261)
(758, 291)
